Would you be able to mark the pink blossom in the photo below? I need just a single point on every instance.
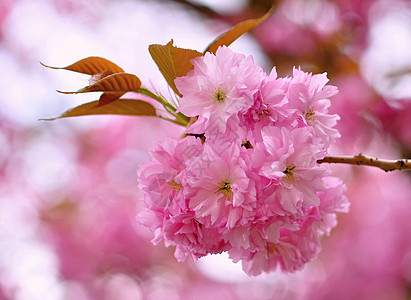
(332, 200)
(160, 178)
(309, 95)
(269, 107)
(218, 86)
(220, 191)
(290, 161)
(169, 215)
(190, 236)
(251, 185)
(293, 249)
(253, 236)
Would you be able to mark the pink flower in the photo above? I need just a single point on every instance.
(220, 192)
(190, 236)
(289, 158)
(167, 212)
(218, 87)
(293, 249)
(251, 185)
(309, 95)
(332, 201)
(160, 178)
(269, 107)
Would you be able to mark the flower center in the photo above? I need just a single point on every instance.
(175, 185)
(310, 114)
(270, 248)
(219, 95)
(289, 173)
(225, 188)
(246, 144)
(264, 113)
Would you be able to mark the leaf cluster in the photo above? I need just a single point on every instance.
(114, 82)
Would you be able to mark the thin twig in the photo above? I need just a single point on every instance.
(365, 160)
(205, 10)
(176, 121)
(164, 102)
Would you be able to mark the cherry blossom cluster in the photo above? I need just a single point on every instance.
(245, 178)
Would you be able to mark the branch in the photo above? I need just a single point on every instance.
(365, 160)
(208, 12)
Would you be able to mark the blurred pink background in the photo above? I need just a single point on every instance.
(68, 192)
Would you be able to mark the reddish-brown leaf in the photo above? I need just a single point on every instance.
(128, 107)
(96, 77)
(172, 61)
(120, 82)
(106, 98)
(92, 66)
(234, 33)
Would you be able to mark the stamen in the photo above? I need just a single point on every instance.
(225, 188)
(271, 248)
(264, 113)
(219, 95)
(175, 185)
(246, 144)
(289, 173)
(309, 115)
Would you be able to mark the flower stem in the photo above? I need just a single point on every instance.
(176, 121)
(158, 98)
(365, 160)
(180, 118)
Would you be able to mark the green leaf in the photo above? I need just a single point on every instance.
(127, 107)
(92, 66)
(172, 61)
(235, 32)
